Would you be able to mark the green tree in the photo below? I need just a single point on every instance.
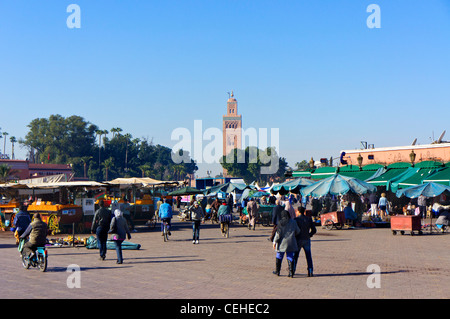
(302, 166)
(250, 164)
(58, 139)
(108, 165)
(5, 171)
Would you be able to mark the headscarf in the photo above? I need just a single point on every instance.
(290, 209)
(118, 213)
(285, 217)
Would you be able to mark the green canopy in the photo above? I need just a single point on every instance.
(365, 173)
(185, 191)
(416, 178)
(441, 177)
(291, 186)
(402, 165)
(227, 188)
(392, 173)
(297, 174)
(323, 172)
(429, 164)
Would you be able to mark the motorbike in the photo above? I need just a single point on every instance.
(38, 259)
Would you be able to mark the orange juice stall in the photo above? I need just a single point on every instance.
(56, 202)
(58, 216)
(8, 212)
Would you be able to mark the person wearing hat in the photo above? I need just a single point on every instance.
(382, 204)
(197, 215)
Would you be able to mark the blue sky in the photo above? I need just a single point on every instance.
(313, 69)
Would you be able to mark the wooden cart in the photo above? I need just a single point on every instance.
(404, 223)
(8, 212)
(58, 217)
(332, 219)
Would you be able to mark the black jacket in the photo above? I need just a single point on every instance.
(276, 214)
(102, 218)
(307, 227)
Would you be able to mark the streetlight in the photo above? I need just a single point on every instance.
(360, 161)
(412, 157)
(311, 163)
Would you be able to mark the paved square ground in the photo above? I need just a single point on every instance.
(239, 267)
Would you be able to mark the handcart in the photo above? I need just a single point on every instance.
(332, 219)
(404, 223)
(265, 214)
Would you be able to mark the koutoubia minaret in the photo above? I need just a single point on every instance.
(232, 128)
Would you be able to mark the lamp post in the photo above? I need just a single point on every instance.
(360, 161)
(311, 163)
(412, 157)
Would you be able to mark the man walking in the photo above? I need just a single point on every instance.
(100, 227)
(307, 230)
(252, 210)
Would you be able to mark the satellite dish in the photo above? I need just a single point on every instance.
(414, 142)
(441, 137)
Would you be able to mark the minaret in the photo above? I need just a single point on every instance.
(232, 127)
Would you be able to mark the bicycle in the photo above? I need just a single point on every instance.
(214, 218)
(165, 229)
(225, 221)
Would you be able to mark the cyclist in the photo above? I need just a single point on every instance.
(165, 214)
(38, 235)
(224, 214)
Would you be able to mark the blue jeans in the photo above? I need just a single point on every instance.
(196, 230)
(118, 244)
(289, 255)
(306, 245)
(167, 220)
(102, 237)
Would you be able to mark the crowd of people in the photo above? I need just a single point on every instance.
(292, 228)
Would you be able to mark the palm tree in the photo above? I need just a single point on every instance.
(5, 171)
(12, 140)
(100, 133)
(144, 168)
(108, 163)
(128, 137)
(4, 142)
(116, 130)
(85, 160)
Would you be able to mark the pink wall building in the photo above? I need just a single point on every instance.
(388, 155)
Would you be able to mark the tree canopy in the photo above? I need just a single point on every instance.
(253, 164)
(94, 155)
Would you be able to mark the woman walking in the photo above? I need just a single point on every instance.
(119, 229)
(197, 216)
(285, 242)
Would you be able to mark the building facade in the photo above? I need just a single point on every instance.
(387, 155)
(24, 169)
(232, 127)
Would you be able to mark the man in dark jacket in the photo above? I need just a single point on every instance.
(307, 230)
(37, 230)
(276, 215)
(21, 221)
(100, 227)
